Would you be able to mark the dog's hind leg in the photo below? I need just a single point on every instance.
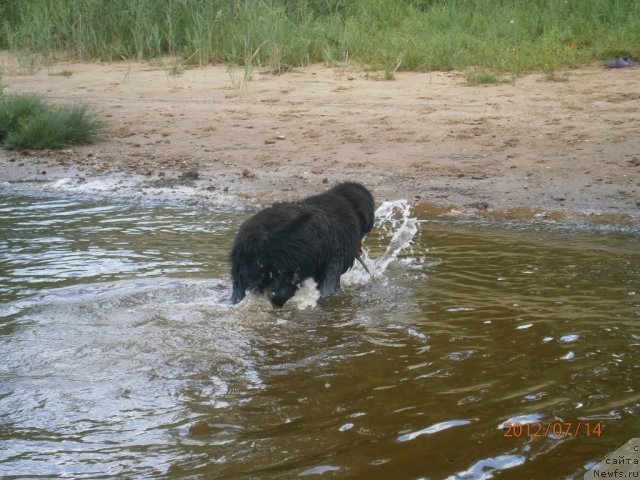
(329, 283)
(237, 294)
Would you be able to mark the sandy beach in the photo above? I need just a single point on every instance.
(536, 146)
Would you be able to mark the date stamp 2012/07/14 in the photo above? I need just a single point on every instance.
(552, 429)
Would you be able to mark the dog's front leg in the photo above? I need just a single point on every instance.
(329, 283)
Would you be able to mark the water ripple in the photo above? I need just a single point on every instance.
(121, 356)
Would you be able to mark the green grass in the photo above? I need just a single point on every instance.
(63, 73)
(16, 110)
(510, 36)
(484, 77)
(27, 122)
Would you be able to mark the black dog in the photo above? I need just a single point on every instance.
(318, 237)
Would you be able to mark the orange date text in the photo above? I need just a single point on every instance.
(552, 429)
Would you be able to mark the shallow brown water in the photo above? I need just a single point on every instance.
(122, 359)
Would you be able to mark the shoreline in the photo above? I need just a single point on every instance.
(535, 149)
(69, 181)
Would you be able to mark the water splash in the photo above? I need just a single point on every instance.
(395, 217)
(307, 295)
(393, 221)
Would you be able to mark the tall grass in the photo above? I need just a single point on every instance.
(500, 35)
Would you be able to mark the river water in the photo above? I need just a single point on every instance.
(477, 350)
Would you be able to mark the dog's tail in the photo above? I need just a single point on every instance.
(288, 228)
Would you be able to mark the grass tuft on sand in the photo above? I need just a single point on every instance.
(28, 122)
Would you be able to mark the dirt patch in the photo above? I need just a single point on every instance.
(555, 146)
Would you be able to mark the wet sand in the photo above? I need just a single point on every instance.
(539, 146)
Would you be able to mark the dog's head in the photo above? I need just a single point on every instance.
(361, 199)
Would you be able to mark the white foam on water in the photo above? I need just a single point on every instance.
(255, 306)
(307, 295)
(134, 187)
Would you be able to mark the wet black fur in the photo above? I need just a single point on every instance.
(318, 237)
